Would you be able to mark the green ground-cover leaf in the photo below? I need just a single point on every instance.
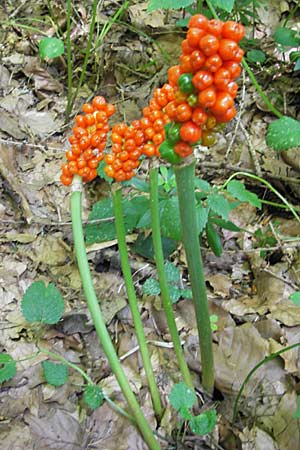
(168, 4)
(284, 133)
(181, 397)
(204, 423)
(226, 5)
(286, 37)
(55, 374)
(8, 367)
(42, 303)
(93, 396)
(172, 272)
(219, 205)
(51, 47)
(238, 191)
(151, 287)
(256, 56)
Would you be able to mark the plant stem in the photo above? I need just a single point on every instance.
(84, 375)
(185, 175)
(250, 73)
(98, 320)
(266, 183)
(200, 6)
(264, 361)
(69, 61)
(159, 260)
(86, 56)
(138, 324)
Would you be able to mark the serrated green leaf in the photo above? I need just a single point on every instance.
(101, 173)
(219, 205)
(174, 292)
(226, 5)
(185, 413)
(295, 297)
(287, 37)
(144, 246)
(181, 396)
(55, 374)
(51, 47)
(8, 367)
(42, 304)
(203, 423)
(172, 272)
(151, 287)
(227, 224)
(186, 293)
(238, 190)
(168, 4)
(133, 208)
(283, 134)
(170, 219)
(93, 396)
(256, 56)
(201, 216)
(297, 65)
(202, 185)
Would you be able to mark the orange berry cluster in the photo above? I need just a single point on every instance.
(204, 80)
(88, 141)
(142, 137)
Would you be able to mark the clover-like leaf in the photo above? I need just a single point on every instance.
(283, 134)
(42, 303)
(55, 374)
(51, 47)
(8, 367)
(203, 423)
(93, 396)
(182, 398)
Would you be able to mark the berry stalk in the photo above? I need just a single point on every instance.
(138, 324)
(159, 260)
(98, 320)
(185, 175)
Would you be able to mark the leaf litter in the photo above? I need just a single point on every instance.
(248, 293)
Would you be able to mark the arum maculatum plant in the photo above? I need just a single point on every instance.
(187, 111)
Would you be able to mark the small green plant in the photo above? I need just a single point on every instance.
(151, 286)
(183, 400)
(51, 48)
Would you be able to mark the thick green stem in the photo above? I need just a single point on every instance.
(159, 260)
(98, 320)
(185, 175)
(138, 324)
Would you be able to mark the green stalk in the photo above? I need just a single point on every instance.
(185, 175)
(159, 260)
(90, 382)
(69, 61)
(98, 320)
(255, 368)
(138, 324)
(250, 73)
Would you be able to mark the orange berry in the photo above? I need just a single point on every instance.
(99, 102)
(87, 108)
(66, 181)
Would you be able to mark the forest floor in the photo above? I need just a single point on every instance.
(248, 286)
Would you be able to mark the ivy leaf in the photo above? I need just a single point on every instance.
(181, 397)
(51, 47)
(8, 367)
(226, 5)
(151, 287)
(93, 396)
(55, 374)
(42, 304)
(174, 292)
(287, 37)
(168, 4)
(283, 134)
(256, 56)
(238, 190)
(295, 297)
(203, 423)
(172, 272)
(219, 205)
